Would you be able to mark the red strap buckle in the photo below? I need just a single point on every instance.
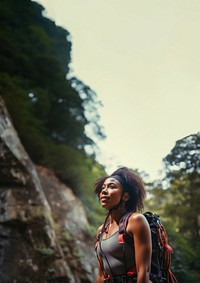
(132, 271)
(121, 238)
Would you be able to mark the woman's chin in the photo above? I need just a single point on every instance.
(104, 205)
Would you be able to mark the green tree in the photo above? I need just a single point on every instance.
(184, 157)
(55, 116)
(182, 207)
(37, 53)
(183, 175)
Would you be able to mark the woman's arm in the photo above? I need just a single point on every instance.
(139, 228)
(99, 277)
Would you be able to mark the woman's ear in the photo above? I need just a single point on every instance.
(126, 196)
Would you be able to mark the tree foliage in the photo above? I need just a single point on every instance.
(37, 53)
(51, 113)
(176, 199)
(183, 175)
(184, 157)
(182, 206)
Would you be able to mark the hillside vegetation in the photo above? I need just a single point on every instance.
(49, 112)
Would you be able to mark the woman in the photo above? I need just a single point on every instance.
(127, 261)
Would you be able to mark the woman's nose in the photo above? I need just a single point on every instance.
(104, 190)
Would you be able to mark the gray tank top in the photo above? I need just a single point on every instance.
(117, 258)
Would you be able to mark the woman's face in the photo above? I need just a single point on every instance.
(111, 193)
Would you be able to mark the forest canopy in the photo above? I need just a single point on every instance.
(35, 61)
(176, 198)
(49, 111)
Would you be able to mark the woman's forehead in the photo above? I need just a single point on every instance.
(111, 180)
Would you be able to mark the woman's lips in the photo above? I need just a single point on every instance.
(104, 199)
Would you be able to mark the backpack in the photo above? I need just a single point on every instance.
(161, 251)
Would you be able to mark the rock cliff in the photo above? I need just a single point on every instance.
(43, 226)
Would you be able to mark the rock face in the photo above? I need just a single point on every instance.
(43, 227)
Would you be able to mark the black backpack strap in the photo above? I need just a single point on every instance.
(123, 235)
(123, 222)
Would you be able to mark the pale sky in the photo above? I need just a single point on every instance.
(142, 58)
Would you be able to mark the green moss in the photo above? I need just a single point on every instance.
(45, 251)
(77, 253)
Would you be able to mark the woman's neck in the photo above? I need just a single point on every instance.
(115, 216)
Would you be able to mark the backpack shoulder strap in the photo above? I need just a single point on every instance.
(123, 222)
(122, 229)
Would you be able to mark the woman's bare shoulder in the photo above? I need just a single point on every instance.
(137, 221)
(136, 216)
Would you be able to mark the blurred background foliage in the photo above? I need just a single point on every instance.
(51, 112)
(176, 198)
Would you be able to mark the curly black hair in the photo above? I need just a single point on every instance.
(134, 186)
